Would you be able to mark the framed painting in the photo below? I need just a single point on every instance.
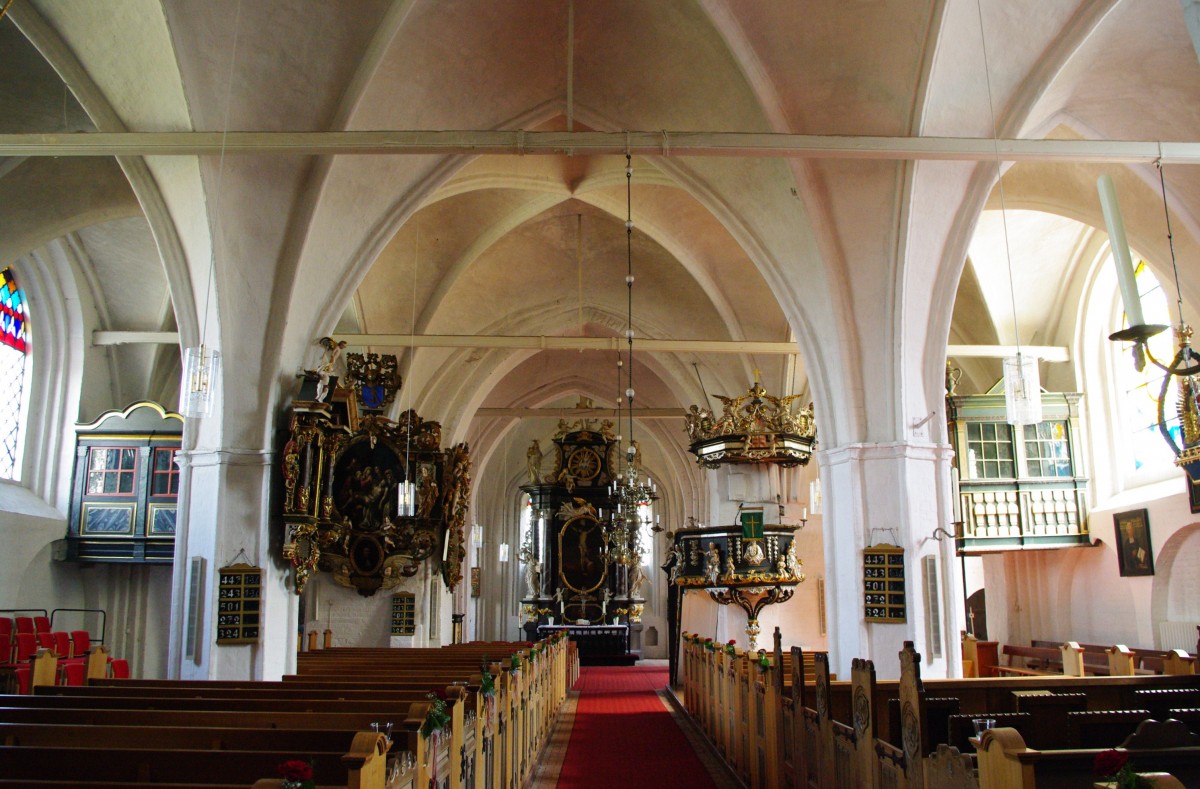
(1134, 553)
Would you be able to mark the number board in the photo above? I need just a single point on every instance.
(883, 584)
(239, 604)
(404, 614)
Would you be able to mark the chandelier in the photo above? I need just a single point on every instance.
(755, 427)
(629, 491)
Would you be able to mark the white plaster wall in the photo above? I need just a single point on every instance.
(1078, 594)
(28, 578)
(358, 621)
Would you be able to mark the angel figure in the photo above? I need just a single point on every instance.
(329, 360)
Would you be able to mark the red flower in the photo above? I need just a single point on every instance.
(438, 693)
(732, 642)
(1109, 762)
(296, 770)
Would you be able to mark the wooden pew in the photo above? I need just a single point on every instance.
(1005, 761)
(821, 718)
(527, 694)
(1035, 661)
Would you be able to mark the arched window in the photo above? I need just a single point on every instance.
(14, 352)
(1140, 391)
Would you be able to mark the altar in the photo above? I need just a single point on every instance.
(599, 645)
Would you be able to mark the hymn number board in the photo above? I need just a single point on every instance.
(883, 584)
(239, 604)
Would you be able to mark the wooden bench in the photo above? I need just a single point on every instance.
(1037, 661)
(877, 733)
(306, 715)
(1006, 761)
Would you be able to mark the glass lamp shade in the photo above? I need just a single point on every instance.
(1022, 390)
(198, 388)
(406, 506)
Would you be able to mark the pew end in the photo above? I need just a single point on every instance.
(1004, 761)
(366, 763)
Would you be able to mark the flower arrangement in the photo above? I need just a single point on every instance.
(731, 646)
(297, 774)
(764, 663)
(1114, 766)
(438, 716)
(708, 644)
(487, 683)
(516, 662)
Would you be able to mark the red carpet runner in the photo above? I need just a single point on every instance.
(624, 736)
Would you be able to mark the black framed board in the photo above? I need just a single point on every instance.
(883, 584)
(239, 604)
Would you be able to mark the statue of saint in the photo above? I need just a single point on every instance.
(712, 563)
(533, 577)
(534, 459)
(636, 577)
(793, 562)
(427, 492)
(754, 553)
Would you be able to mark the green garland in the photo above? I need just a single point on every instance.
(516, 662)
(487, 683)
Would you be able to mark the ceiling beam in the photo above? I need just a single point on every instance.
(580, 413)
(1049, 353)
(656, 143)
(135, 338)
(557, 343)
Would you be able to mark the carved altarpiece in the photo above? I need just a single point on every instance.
(344, 485)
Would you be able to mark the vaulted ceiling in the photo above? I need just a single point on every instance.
(724, 249)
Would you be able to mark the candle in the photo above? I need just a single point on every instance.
(804, 513)
(1120, 250)
(955, 500)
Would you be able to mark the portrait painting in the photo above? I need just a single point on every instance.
(1134, 552)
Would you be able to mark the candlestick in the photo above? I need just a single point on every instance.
(1120, 250)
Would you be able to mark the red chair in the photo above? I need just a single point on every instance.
(25, 624)
(119, 668)
(24, 678)
(62, 644)
(26, 647)
(81, 643)
(73, 673)
(45, 640)
(41, 624)
(6, 639)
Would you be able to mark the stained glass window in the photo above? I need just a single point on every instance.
(1142, 389)
(14, 348)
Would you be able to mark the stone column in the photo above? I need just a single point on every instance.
(224, 508)
(895, 493)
